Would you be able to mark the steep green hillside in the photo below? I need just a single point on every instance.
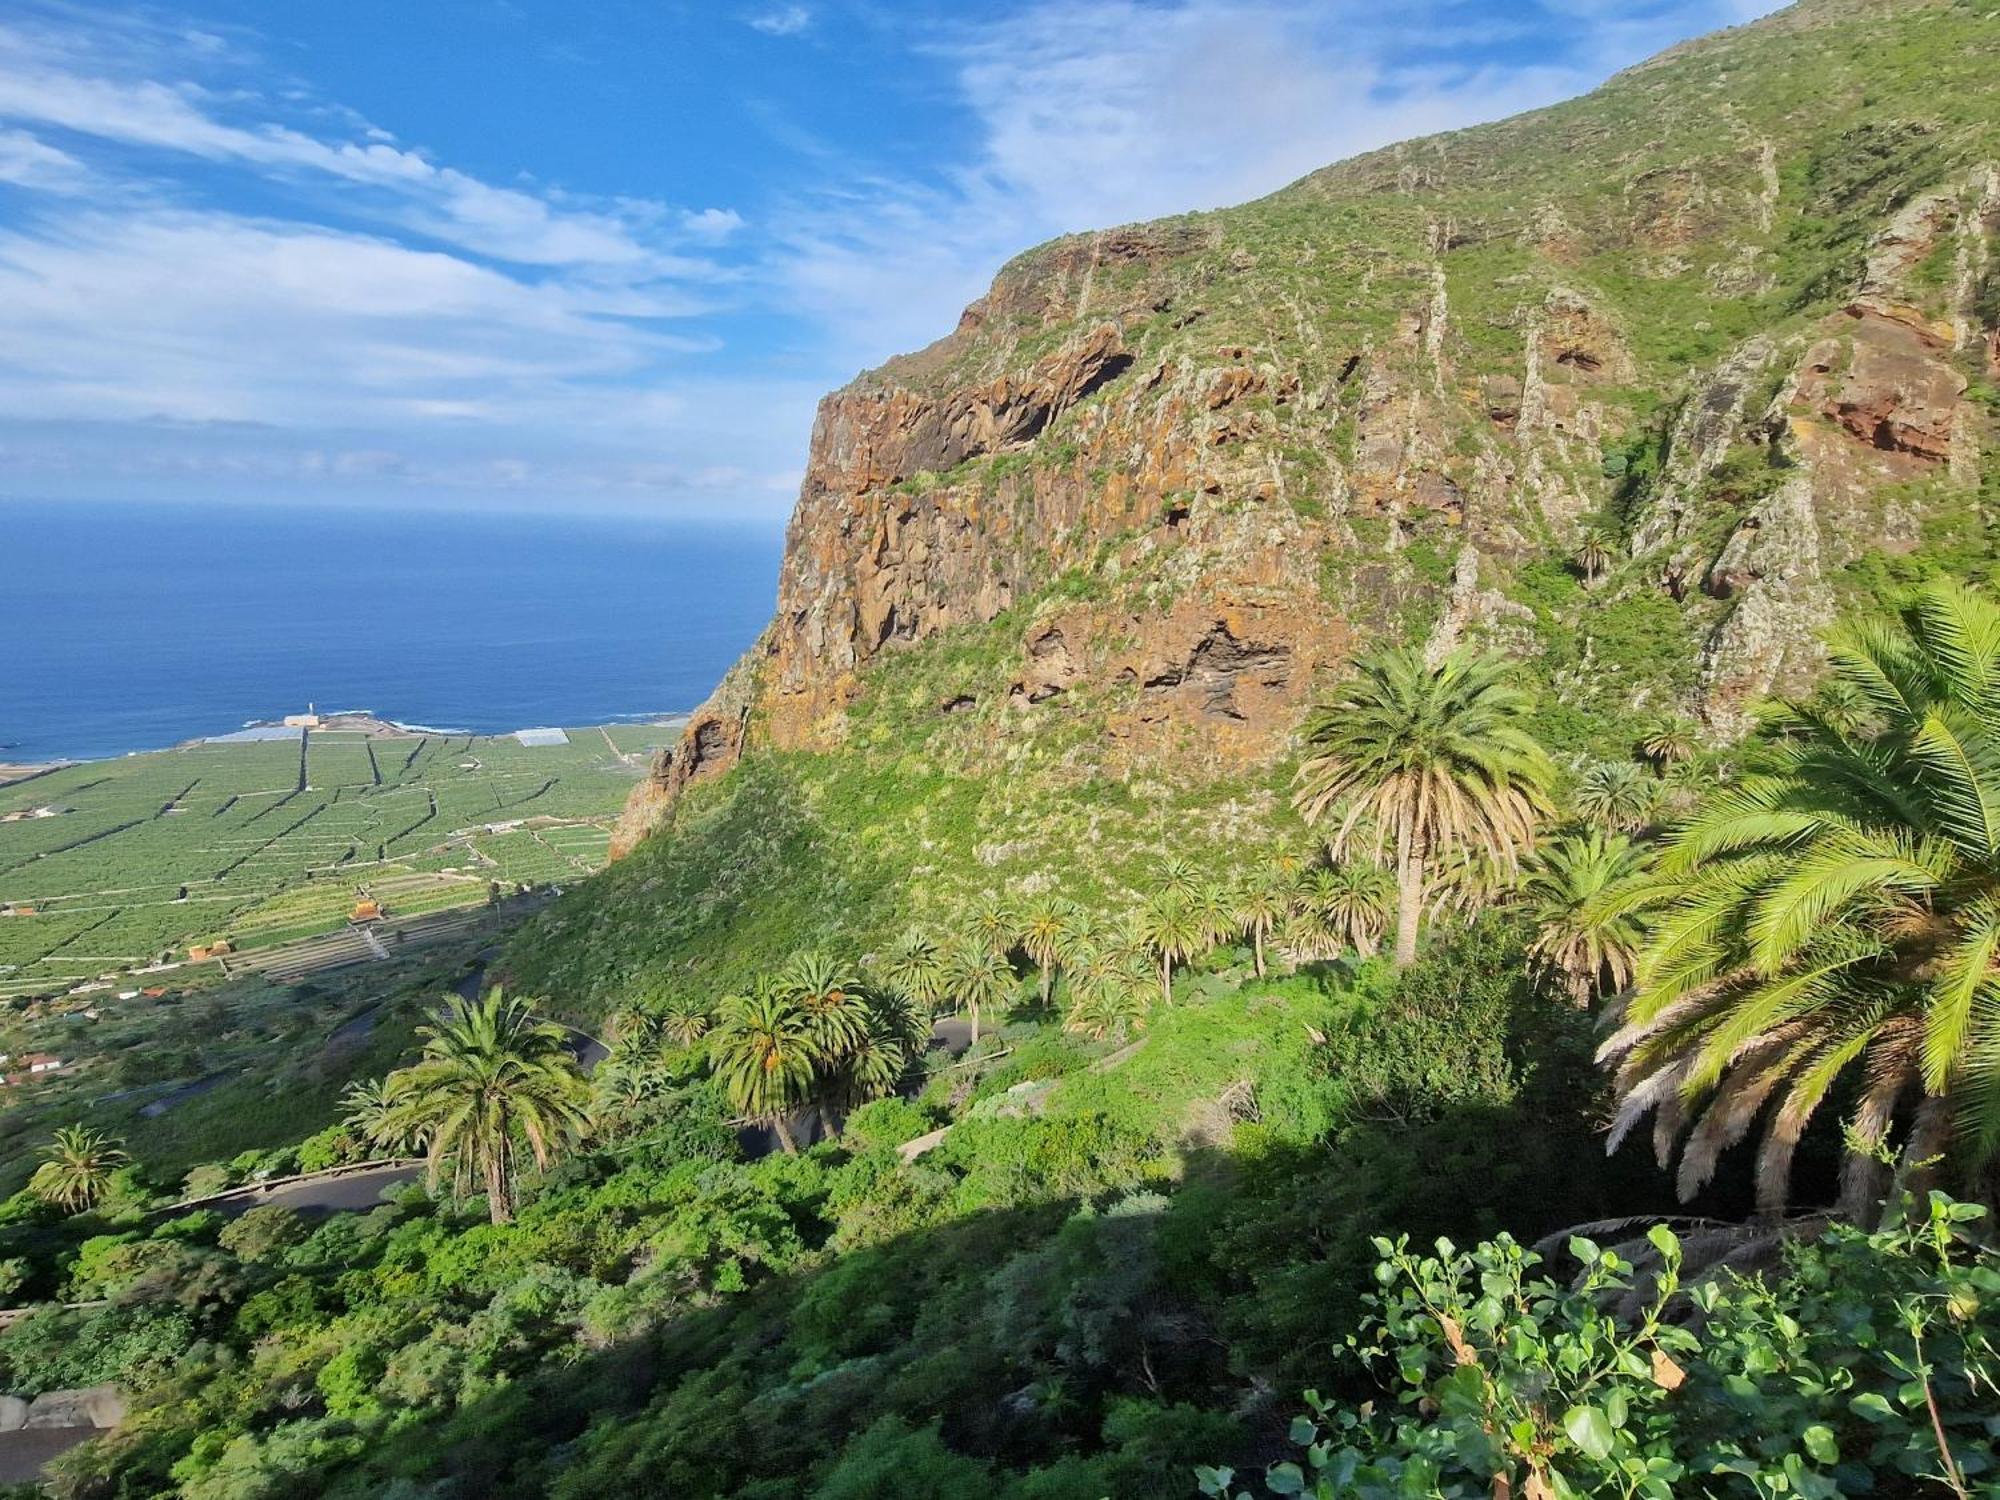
(1543, 455)
(1644, 389)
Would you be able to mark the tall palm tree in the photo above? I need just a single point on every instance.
(1839, 911)
(1213, 906)
(1047, 935)
(829, 995)
(872, 1064)
(977, 978)
(1429, 760)
(76, 1170)
(1595, 552)
(763, 1050)
(995, 923)
(1669, 740)
(491, 1078)
(1588, 929)
(1617, 794)
(1174, 931)
(1256, 908)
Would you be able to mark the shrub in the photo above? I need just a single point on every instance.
(1867, 1366)
(262, 1232)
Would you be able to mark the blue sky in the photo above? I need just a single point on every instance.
(606, 254)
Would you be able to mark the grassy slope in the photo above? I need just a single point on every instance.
(1654, 179)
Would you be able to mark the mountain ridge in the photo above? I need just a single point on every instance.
(1677, 308)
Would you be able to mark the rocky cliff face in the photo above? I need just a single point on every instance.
(1738, 309)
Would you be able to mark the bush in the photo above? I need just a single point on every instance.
(262, 1232)
(1868, 1366)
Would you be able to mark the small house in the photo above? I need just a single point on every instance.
(366, 911)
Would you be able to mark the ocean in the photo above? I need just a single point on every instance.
(135, 626)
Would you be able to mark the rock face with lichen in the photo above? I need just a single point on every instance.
(1748, 329)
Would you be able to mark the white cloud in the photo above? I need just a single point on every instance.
(1092, 113)
(29, 162)
(712, 223)
(389, 319)
(48, 87)
(785, 20)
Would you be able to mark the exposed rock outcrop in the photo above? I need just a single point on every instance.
(1355, 411)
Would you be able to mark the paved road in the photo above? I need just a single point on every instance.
(354, 1193)
(24, 1450)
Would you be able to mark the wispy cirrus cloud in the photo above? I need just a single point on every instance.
(380, 298)
(27, 161)
(211, 267)
(1090, 113)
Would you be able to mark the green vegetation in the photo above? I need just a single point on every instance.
(994, 1108)
(1436, 762)
(1839, 910)
(1094, 1252)
(1534, 1383)
(491, 1079)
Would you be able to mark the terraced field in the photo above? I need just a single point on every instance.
(269, 842)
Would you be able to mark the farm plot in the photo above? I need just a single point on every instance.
(266, 842)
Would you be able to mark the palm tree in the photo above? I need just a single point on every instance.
(1617, 794)
(1110, 979)
(368, 1110)
(1173, 930)
(1108, 1004)
(1256, 908)
(491, 1078)
(1428, 759)
(1588, 930)
(976, 977)
(762, 1048)
(1669, 740)
(634, 1028)
(1306, 935)
(1180, 876)
(76, 1170)
(1213, 905)
(996, 924)
(1355, 899)
(1047, 935)
(1839, 911)
(829, 995)
(684, 1020)
(621, 1089)
(871, 1066)
(1596, 551)
(915, 966)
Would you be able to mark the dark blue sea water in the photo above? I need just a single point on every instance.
(129, 627)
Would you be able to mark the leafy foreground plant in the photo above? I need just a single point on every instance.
(1867, 1367)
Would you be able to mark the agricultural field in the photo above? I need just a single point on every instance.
(120, 866)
